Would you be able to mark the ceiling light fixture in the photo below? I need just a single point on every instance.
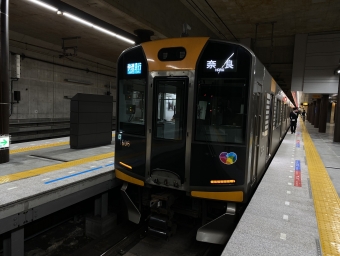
(47, 6)
(98, 28)
(75, 18)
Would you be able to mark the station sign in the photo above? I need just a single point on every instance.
(4, 141)
(316, 96)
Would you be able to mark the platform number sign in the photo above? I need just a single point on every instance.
(4, 141)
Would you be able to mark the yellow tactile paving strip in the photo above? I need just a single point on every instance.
(325, 197)
(51, 168)
(25, 149)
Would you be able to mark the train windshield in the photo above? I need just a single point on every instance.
(222, 93)
(132, 106)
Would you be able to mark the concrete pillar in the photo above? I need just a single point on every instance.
(14, 244)
(102, 222)
(312, 113)
(317, 113)
(4, 79)
(323, 113)
(332, 113)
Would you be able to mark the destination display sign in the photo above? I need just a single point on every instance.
(134, 68)
(219, 66)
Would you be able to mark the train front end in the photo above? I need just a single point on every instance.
(182, 115)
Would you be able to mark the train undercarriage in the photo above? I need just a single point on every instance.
(164, 209)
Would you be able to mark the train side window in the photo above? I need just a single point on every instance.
(132, 106)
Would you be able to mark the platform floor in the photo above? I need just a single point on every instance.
(47, 170)
(287, 216)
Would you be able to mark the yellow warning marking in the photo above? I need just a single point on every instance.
(51, 145)
(51, 168)
(325, 197)
(25, 149)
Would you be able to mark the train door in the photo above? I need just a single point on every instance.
(169, 119)
(256, 135)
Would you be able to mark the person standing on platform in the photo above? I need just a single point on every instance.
(303, 115)
(293, 120)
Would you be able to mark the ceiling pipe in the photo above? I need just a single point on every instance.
(206, 1)
(144, 35)
(204, 16)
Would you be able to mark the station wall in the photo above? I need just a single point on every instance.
(43, 73)
(315, 59)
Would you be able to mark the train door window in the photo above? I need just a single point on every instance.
(274, 114)
(170, 109)
(278, 112)
(132, 106)
(265, 126)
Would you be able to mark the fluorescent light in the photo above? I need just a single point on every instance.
(125, 39)
(104, 30)
(338, 71)
(78, 19)
(98, 28)
(47, 6)
(50, 7)
(113, 34)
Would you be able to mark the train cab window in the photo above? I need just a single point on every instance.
(132, 106)
(169, 112)
(223, 73)
(221, 111)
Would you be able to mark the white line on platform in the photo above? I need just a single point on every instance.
(290, 176)
(289, 183)
(93, 166)
(285, 217)
(283, 236)
(72, 172)
(291, 170)
(11, 188)
(287, 203)
(288, 192)
(45, 179)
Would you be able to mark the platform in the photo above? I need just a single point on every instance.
(45, 176)
(296, 209)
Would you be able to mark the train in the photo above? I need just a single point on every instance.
(198, 121)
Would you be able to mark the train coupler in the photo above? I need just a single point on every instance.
(161, 226)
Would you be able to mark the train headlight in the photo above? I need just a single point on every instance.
(222, 181)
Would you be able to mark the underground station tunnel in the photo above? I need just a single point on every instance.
(183, 127)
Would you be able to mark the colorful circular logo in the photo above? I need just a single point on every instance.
(228, 158)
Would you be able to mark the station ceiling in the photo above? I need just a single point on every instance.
(225, 19)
